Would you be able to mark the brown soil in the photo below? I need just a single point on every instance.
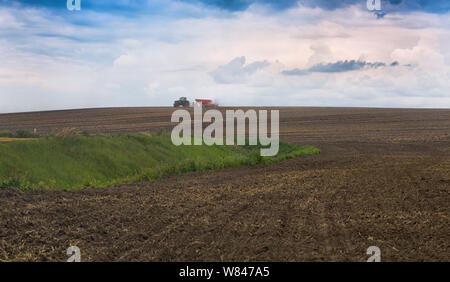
(383, 179)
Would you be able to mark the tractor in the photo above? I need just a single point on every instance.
(182, 102)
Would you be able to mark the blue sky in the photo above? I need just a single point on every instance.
(239, 52)
(139, 6)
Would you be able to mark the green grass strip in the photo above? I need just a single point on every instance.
(105, 160)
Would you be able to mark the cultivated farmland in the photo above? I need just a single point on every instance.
(382, 178)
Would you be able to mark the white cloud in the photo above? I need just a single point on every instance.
(127, 60)
(236, 71)
(235, 59)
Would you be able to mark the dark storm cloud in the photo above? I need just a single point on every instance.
(431, 6)
(343, 66)
(126, 8)
(335, 4)
(158, 6)
(295, 72)
(123, 6)
(240, 5)
(339, 66)
(389, 6)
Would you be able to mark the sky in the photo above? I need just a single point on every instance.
(237, 52)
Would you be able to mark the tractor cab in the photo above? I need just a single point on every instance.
(182, 102)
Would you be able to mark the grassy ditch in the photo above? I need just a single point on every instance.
(104, 160)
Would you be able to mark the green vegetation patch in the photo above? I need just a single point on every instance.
(100, 161)
(18, 134)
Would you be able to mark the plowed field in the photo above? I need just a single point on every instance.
(383, 179)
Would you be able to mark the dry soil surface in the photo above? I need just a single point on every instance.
(382, 179)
